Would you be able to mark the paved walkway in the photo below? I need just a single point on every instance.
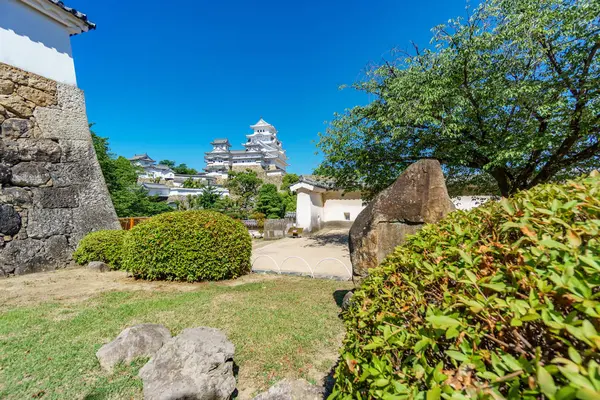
(324, 254)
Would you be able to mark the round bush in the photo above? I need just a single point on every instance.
(188, 246)
(499, 302)
(105, 246)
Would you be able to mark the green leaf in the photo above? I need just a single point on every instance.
(457, 355)
(588, 394)
(442, 321)
(546, 382)
(574, 355)
(434, 393)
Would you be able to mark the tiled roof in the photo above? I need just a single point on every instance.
(220, 141)
(76, 13)
(141, 157)
(319, 181)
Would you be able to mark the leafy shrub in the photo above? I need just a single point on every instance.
(500, 302)
(105, 246)
(188, 246)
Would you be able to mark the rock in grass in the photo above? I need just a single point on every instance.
(196, 364)
(142, 340)
(98, 266)
(292, 390)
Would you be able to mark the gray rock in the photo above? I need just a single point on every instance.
(99, 266)
(59, 124)
(52, 197)
(195, 365)
(10, 220)
(29, 174)
(23, 256)
(15, 196)
(44, 223)
(142, 340)
(8, 155)
(292, 390)
(38, 150)
(15, 128)
(347, 300)
(5, 173)
(418, 196)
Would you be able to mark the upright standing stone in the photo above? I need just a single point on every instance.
(419, 196)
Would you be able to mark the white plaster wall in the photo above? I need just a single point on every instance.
(336, 205)
(33, 42)
(316, 212)
(303, 210)
(469, 202)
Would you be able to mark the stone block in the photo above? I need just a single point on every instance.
(43, 223)
(6, 87)
(55, 197)
(57, 252)
(59, 124)
(30, 174)
(22, 256)
(71, 98)
(17, 105)
(5, 173)
(10, 220)
(38, 150)
(15, 128)
(37, 97)
(8, 154)
(15, 196)
(76, 150)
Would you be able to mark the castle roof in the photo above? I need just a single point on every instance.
(141, 157)
(262, 124)
(220, 141)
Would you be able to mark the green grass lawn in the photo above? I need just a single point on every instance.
(282, 327)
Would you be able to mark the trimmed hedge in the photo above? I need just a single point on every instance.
(499, 302)
(105, 246)
(188, 246)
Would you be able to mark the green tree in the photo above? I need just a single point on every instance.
(168, 163)
(288, 180)
(184, 170)
(244, 186)
(191, 183)
(289, 200)
(129, 199)
(269, 202)
(209, 198)
(511, 92)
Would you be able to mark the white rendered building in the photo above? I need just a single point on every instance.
(151, 168)
(320, 202)
(35, 36)
(262, 149)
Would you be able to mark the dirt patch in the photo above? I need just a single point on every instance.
(76, 284)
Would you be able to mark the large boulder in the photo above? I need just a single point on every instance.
(195, 365)
(292, 390)
(142, 340)
(418, 197)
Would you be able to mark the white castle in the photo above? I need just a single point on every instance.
(262, 150)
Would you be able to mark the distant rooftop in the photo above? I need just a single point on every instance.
(220, 141)
(141, 157)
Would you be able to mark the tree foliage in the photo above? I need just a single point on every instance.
(182, 169)
(269, 202)
(129, 199)
(244, 186)
(510, 94)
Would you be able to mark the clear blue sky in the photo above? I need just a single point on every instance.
(167, 77)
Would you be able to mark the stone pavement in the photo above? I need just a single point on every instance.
(324, 255)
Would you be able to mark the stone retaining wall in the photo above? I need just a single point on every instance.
(52, 191)
(262, 174)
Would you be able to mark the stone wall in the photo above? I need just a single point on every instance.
(276, 180)
(52, 191)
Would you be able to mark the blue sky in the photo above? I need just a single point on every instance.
(168, 77)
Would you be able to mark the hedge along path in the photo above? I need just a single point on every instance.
(499, 302)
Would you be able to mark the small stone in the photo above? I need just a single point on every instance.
(98, 266)
(6, 87)
(142, 340)
(15, 128)
(347, 300)
(17, 105)
(36, 96)
(15, 196)
(196, 364)
(10, 220)
(7, 238)
(29, 174)
(5, 173)
(288, 389)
